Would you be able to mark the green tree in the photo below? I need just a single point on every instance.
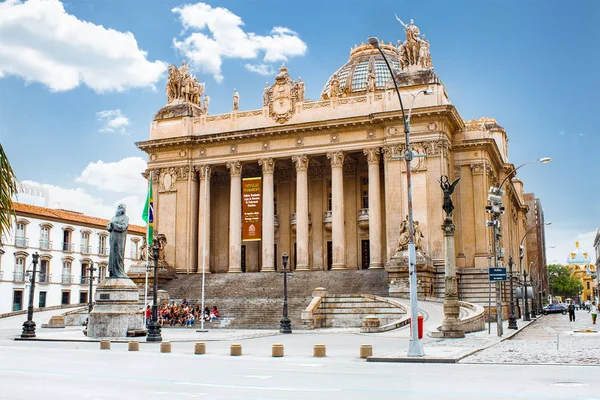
(8, 188)
(562, 282)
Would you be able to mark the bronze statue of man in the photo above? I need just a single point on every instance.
(117, 239)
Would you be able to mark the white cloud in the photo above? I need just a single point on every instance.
(41, 42)
(217, 34)
(262, 69)
(113, 120)
(123, 176)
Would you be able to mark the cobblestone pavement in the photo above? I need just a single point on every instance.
(551, 339)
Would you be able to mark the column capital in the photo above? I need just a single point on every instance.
(235, 168)
(267, 164)
(301, 162)
(372, 155)
(336, 158)
(393, 150)
(205, 171)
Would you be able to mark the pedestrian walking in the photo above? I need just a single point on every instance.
(571, 310)
(594, 311)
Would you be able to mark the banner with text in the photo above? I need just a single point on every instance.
(251, 209)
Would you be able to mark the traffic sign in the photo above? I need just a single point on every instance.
(497, 274)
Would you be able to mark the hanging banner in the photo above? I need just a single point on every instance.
(251, 209)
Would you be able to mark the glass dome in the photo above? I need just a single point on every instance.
(353, 74)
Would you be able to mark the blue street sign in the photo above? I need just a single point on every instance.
(497, 274)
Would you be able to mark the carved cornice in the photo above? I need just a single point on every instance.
(267, 164)
(336, 158)
(372, 155)
(301, 162)
(235, 168)
(391, 150)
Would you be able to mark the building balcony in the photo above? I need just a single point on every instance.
(44, 279)
(21, 242)
(66, 279)
(363, 218)
(19, 277)
(103, 251)
(327, 220)
(84, 280)
(68, 247)
(293, 222)
(45, 244)
(85, 249)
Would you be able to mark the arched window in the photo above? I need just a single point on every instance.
(66, 272)
(102, 271)
(45, 243)
(44, 275)
(19, 274)
(20, 236)
(85, 242)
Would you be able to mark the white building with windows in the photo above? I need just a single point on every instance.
(68, 243)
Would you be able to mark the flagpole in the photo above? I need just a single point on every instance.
(147, 260)
(204, 242)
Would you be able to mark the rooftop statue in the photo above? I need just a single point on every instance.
(414, 51)
(448, 189)
(118, 235)
(184, 88)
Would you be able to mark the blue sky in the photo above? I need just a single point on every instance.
(68, 69)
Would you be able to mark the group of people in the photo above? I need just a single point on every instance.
(182, 314)
(592, 309)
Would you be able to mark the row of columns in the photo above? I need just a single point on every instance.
(268, 213)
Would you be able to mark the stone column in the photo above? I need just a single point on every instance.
(235, 217)
(301, 162)
(374, 209)
(268, 216)
(204, 220)
(338, 235)
(450, 327)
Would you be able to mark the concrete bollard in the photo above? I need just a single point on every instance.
(165, 347)
(277, 350)
(134, 345)
(105, 345)
(319, 350)
(200, 348)
(366, 350)
(236, 349)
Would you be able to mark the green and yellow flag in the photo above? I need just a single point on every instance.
(148, 214)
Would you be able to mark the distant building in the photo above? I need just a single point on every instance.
(68, 243)
(535, 260)
(580, 263)
(597, 247)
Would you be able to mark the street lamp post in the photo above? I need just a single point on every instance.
(154, 326)
(526, 316)
(512, 319)
(285, 326)
(415, 346)
(29, 325)
(91, 268)
(496, 209)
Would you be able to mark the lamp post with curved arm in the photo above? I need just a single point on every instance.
(496, 209)
(415, 347)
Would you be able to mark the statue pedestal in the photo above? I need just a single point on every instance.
(451, 326)
(397, 268)
(117, 309)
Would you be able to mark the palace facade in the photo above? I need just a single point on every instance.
(333, 193)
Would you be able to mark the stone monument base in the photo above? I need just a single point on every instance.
(448, 334)
(117, 310)
(397, 268)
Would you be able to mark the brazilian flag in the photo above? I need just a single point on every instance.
(148, 214)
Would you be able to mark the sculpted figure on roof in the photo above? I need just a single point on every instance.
(414, 51)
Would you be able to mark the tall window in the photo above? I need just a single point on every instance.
(329, 201)
(67, 241)
(66, 272)
(364, 188)
(102, 271)
(20, 239)
(19, 269)
(135, 249)
(102, 250)
(44, 269)
(84, 272)
(45, 238)
(85, 243)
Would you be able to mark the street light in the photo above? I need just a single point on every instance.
(496, 209)
(285, 325)
(29, 325)
(91, 268)
(154, 326)
(415, 347)
(526, 316)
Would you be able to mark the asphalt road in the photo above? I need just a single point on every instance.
(50, 370)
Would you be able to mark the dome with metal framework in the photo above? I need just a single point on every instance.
(353, 75)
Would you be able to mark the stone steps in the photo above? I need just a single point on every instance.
(349, 311)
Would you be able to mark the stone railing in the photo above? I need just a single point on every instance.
(474, 321)
(308, 315)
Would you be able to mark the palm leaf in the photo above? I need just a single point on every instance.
(8, 188)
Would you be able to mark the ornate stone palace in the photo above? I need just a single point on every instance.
(333, 197)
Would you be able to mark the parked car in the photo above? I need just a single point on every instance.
(555, 309)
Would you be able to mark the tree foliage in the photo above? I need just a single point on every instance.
(562, 282)
(8, 187)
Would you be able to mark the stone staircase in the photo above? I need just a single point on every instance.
(348, 311)
(255, 300)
